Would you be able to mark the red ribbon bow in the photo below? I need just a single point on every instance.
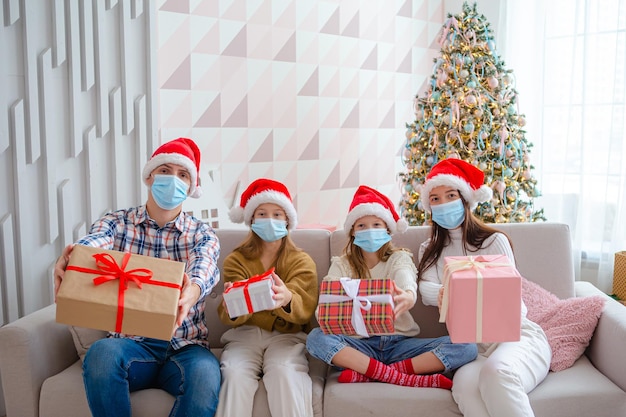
(106, 264)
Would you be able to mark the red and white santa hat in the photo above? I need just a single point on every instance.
(369, 202)
(458, 174)
(183, 152)
(263, 191)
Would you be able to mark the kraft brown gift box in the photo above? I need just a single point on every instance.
(619, 275)
(147, 307)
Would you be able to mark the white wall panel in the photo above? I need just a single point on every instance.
(74, 78)
(8, 271)
(46, 123)
(58, 32)
(86, 45)
(31, 86)
(66, 157)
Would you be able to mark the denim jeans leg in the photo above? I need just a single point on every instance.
(452, 355)
(113, 368)
(192, 376)
(325, 346)
(455, 355)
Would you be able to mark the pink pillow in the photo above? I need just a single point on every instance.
(568, 324)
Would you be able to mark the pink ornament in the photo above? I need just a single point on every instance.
(471, 100)
(499, 186)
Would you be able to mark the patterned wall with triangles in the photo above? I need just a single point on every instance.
(315, 94)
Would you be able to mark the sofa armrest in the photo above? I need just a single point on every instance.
(606, 349)
(32, 349)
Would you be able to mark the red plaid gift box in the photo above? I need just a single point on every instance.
(482, 299)
(361, 307)
(116, 291)
(250, 295)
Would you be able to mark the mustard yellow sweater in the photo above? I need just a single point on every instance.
(299, 276)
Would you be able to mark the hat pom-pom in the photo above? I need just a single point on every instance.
(402, 226)
(236, 214)
(197, 193)
(484, 193)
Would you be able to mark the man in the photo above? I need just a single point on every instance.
(184, 366)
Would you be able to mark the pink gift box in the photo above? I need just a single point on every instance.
(482, 300)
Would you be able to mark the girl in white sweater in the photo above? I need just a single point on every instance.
(399, 358)
(497, 382)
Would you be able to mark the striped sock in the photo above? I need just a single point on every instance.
(384, 373)
(405, 366)
(350, 376)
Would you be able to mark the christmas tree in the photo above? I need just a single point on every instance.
(470, 111)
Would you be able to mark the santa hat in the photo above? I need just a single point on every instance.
(263, 191)
(369, 202)
(458, 174)
(181, 151)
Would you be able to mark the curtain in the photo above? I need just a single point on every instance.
(569, 58)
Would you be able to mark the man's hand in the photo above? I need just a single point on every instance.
(189, 295)
(403, 300)
(59, 268)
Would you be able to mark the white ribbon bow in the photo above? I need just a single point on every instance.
(360, 302)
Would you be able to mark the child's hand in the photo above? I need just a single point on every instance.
(403, 300)
(227, 286)
(282, 294)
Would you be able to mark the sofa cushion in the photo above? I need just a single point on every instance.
(380, 399)
(580, 390)
(63, 395)
(84, 338)
(568, 324)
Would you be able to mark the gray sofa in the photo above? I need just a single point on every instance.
(41, 370)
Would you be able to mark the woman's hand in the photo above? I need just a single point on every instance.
(282, 294)
(440, 297)
(403, 300)
(59, 268)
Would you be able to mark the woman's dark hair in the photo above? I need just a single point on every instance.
(475, 232)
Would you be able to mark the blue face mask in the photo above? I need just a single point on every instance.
(371, 240)
(269, 230)
(169, 191)
(449, 215)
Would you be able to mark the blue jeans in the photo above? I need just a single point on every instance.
(391, 349)
(115, 367)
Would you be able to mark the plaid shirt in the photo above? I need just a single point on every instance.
(185, 239)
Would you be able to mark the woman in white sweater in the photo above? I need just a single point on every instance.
(398, 358)
(496, 384)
